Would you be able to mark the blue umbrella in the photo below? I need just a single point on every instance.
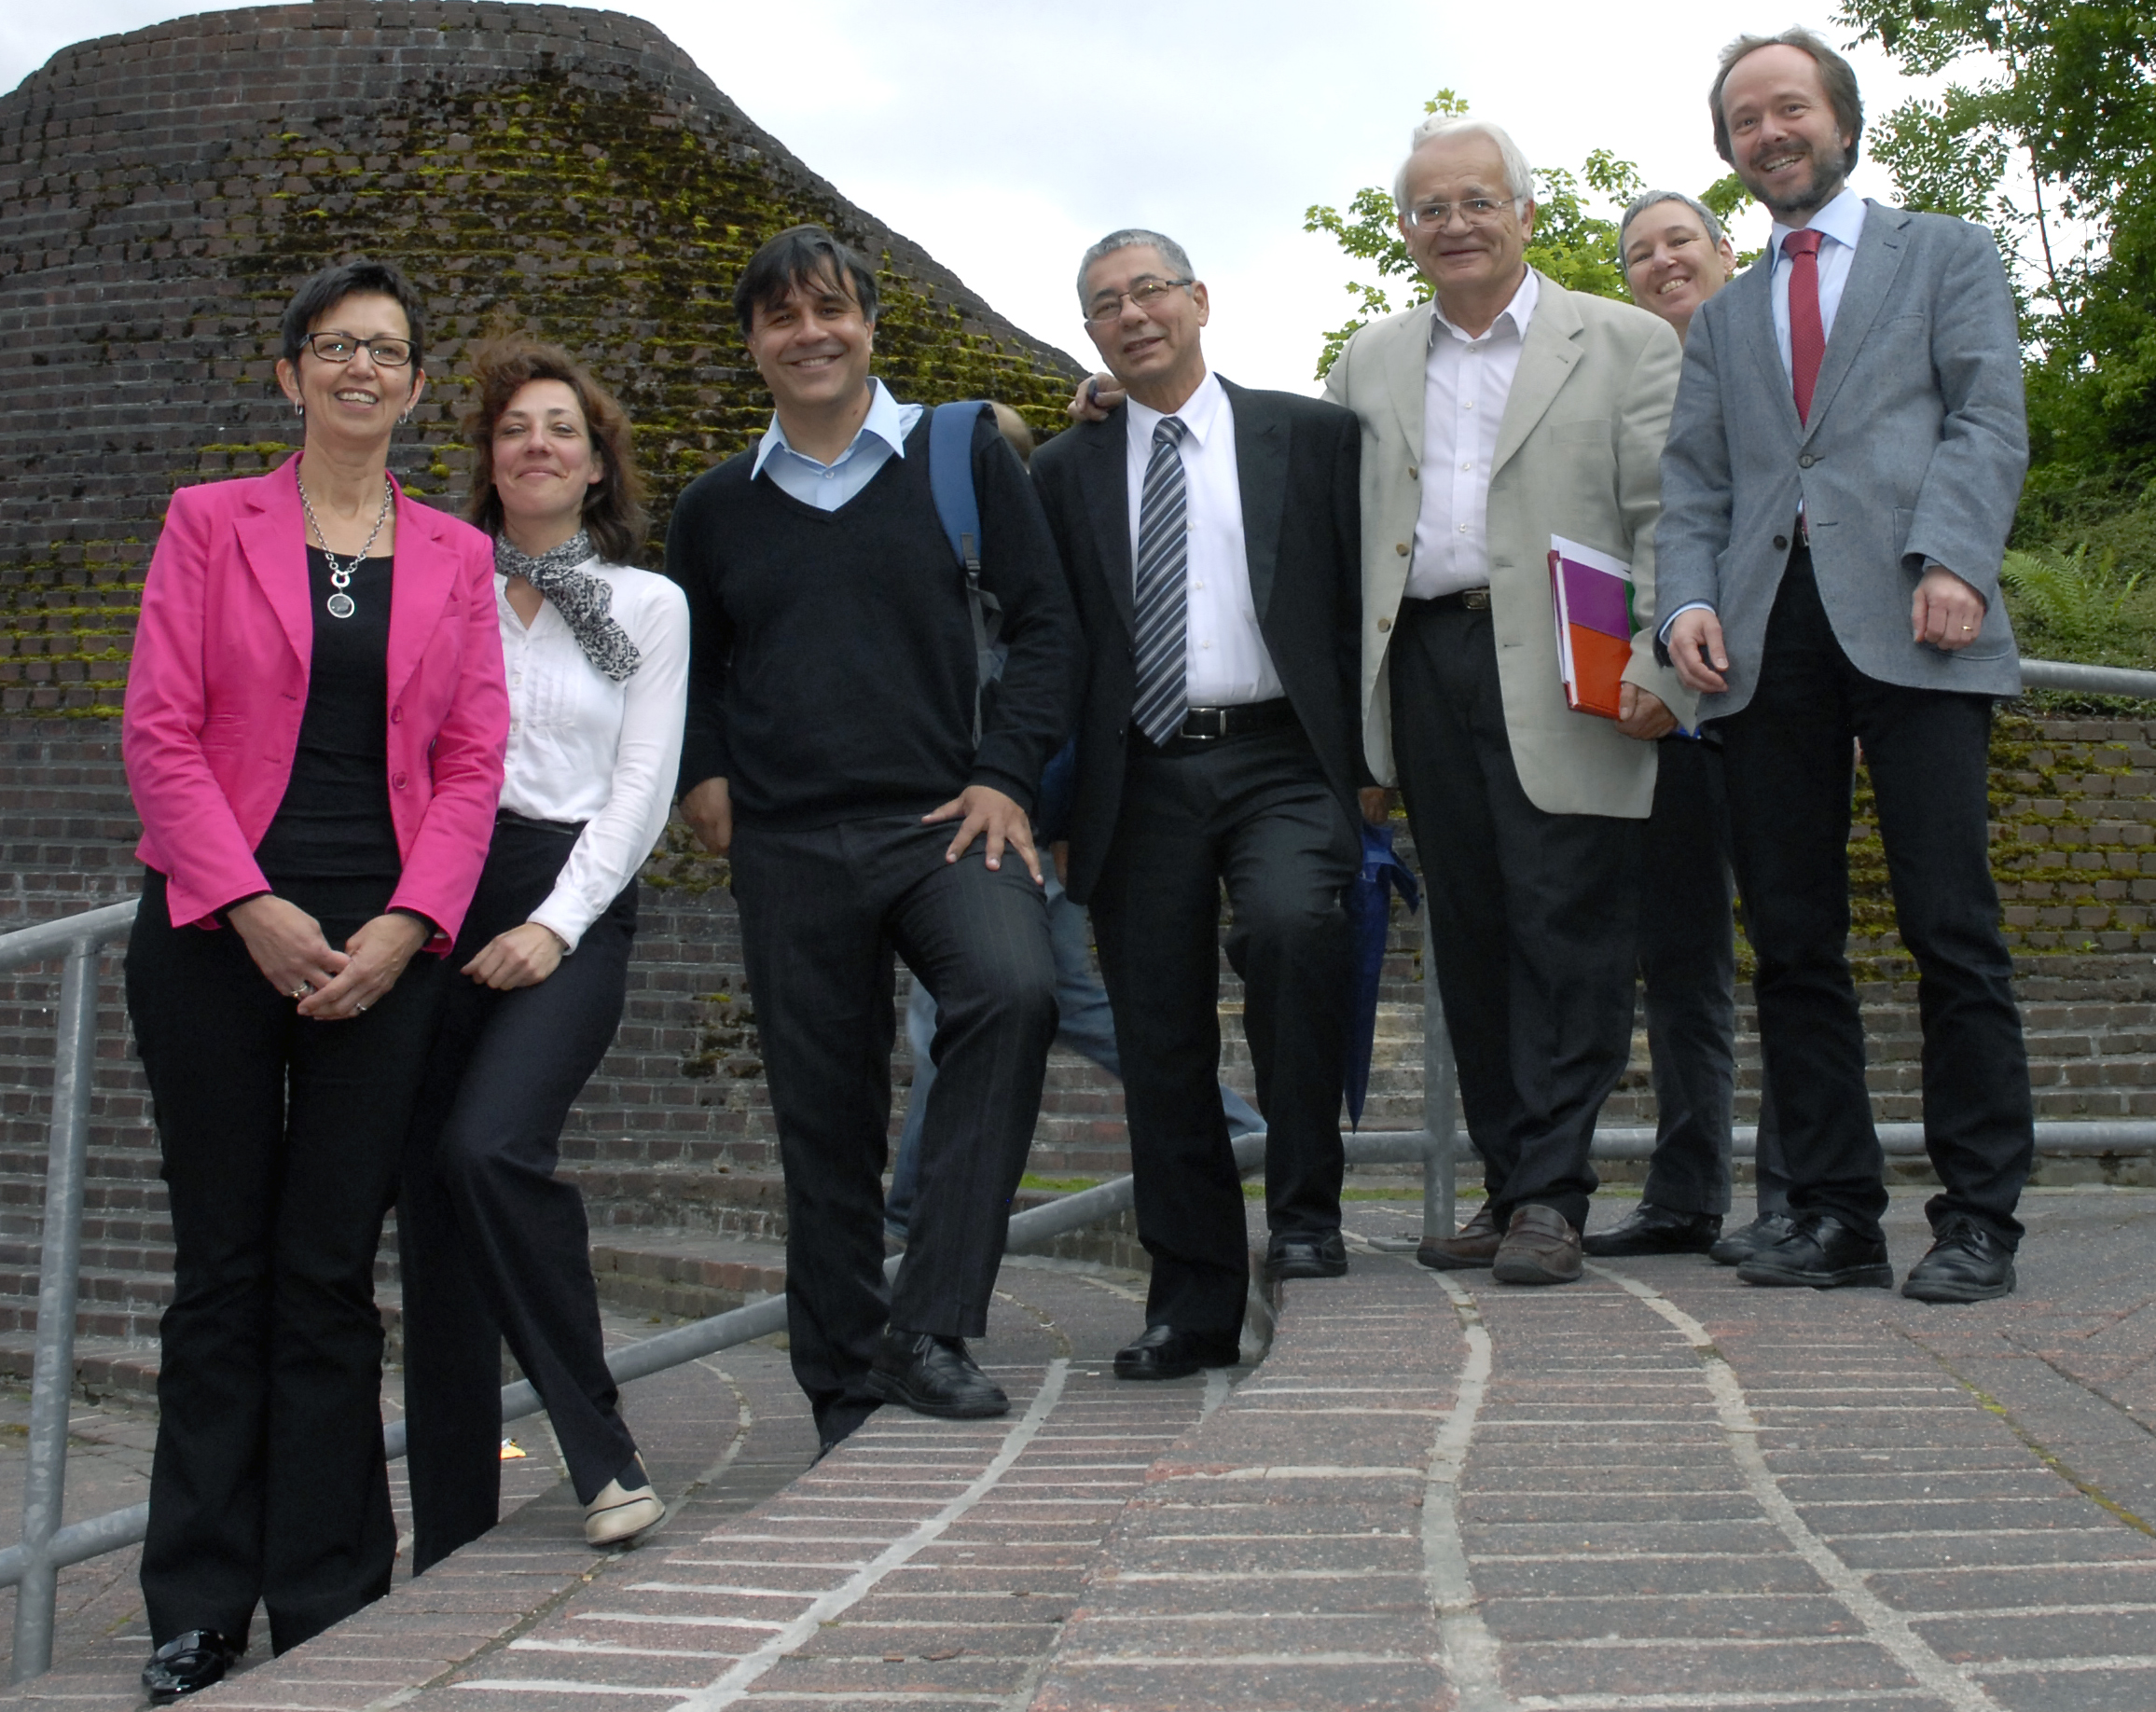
(1369, 906)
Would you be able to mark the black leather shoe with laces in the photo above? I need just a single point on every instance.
(1648, 1229)
(1821, 1254)
(1162, 1352)
(188, 1664)
(934, 1375)
(1320, 1256)
(1735, 1248)
(1967, 1263)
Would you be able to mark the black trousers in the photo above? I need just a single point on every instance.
(1928, 751)
(1254, 813)
(280, 1138)
(1533, 919)
(491, 1244)
(1688, 967)
(823, 910)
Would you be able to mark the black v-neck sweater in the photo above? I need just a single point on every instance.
(832, 666)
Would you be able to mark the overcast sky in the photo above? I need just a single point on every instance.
(1005, 135)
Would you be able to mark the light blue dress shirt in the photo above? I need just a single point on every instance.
(1841, 224)
(829, 486)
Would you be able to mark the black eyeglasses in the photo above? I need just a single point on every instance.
(1145, 294)
(343, 347)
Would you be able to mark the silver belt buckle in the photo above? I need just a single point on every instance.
(1205, 725)
(1476, 600)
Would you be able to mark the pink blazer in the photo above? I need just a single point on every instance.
(219, 681)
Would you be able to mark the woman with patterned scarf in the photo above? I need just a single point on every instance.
(492, 1244)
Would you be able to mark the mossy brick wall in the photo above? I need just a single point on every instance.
(162, 192)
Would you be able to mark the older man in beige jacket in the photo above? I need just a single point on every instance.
(1508, 413)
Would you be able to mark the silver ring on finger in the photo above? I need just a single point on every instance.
(301, 990)
(359, 1007)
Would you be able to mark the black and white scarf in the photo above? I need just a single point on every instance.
(584, 601)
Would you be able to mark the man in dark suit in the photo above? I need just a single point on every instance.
(1843, 465)
(1210, 537)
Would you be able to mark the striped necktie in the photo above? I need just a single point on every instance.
(1162, 592)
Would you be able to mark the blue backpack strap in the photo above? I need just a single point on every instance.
(951, 481)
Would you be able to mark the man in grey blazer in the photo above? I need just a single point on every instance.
(1507, 412)
(1846, 454)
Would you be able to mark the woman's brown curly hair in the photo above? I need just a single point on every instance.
(613, 510)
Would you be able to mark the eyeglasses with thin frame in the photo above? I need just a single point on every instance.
(343, 347)
(1145, 292)
(1474, 210)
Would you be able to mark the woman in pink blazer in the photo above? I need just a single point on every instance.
(314, 730)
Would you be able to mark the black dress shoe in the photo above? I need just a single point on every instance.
(1307, 1257)
(1648, 1229)
(1738, 1246)
(934, 1375)
(1823, 1253)
(1164, 1353)
(1967, 1263)
(189, 1663)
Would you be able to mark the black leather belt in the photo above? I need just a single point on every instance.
(509, 817)
(1210, 724)
(1459, 600)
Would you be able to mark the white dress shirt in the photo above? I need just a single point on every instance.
(828, 486)
(585, 748)
(1839, 223)
(1226, 662)
(1465, 384)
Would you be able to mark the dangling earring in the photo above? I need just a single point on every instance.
(300, 406)
(406, 416)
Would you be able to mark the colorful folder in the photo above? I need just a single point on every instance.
(1592, 596)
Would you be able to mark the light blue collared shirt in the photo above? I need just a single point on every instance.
(829, 486)
(1841, 223)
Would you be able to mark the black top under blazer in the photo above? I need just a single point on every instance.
(1298, 464)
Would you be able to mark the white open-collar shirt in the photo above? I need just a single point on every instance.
(585, 748)
(1226, 662)
(1465, 385)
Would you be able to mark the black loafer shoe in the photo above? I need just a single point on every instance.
(934, 1375)
(1967, 1263)
(1650, 1229)
(1164, 1353)
(1822, 1253)
(1307, 1257)
(187, 1664)
(1738, 1246)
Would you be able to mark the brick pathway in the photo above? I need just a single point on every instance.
(1658, 1489)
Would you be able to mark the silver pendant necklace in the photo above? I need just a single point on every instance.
(341, 604)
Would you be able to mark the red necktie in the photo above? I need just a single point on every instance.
(1807, 332)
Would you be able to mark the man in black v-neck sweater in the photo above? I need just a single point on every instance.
(830, 752)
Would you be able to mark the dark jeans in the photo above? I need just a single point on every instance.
(1688, 966)
(1252, 813)
(1789, 760)
(280, 1138)
(492, 1244)
(823, 910)
(1533, 917)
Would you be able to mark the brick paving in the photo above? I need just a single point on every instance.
(1657, 1489)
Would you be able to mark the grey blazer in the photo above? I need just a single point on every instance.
(1915, 454)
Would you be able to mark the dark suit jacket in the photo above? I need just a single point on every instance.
(1298, 464)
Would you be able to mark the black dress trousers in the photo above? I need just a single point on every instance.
(1254, 814)
(280, 1138)
(1789, 766)
(491, 1244)
(1533, 918)
(823, 910)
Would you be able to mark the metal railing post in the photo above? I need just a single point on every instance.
(1440, 1101)
(52, 1386)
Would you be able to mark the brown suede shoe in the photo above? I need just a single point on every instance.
(1476, 1245)
(1541, 1247)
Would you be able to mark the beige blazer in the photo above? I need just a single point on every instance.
(1578, 455)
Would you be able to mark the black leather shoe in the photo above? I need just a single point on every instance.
(1967, 1263)
(1823, 1253)
(1164, 1353)
(1307, 1257)
(189, 1663)
(1738, 1246)
(1648, 1229)
(934, 1375)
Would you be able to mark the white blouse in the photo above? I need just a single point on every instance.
(585, 748)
